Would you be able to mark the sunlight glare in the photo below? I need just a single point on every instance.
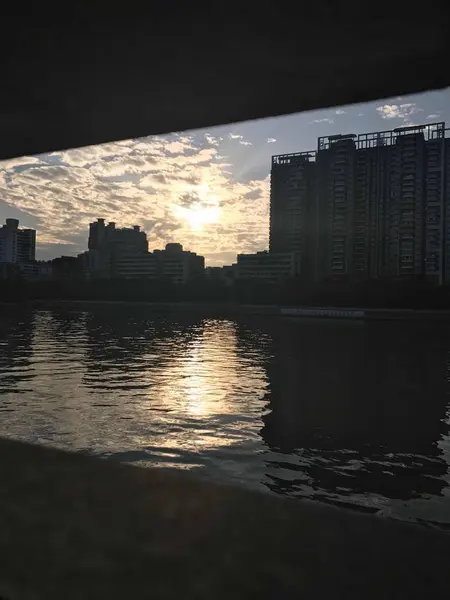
(205, 210)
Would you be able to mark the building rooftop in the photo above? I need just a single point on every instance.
(430, 131)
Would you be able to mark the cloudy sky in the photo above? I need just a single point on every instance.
(208, 189)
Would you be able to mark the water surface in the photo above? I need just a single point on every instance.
(348, 412)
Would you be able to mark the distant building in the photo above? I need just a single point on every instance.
(30, 271)
(117, 253)
(178, 265)
(37, 270)
(67, 267)
(101, 236)
(225, 274)
(123, 254)
(9, 271)
(129, 263)
(268, 266)
(17, 245)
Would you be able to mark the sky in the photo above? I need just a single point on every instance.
(207, 189)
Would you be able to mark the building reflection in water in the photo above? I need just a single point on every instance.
(358, 409)
(16, 338)
(40, 374)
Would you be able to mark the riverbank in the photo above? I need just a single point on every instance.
(232, 309)
(73, 526)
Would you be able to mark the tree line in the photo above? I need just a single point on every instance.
(370, 294)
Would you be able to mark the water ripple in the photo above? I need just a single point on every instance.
(352, 414)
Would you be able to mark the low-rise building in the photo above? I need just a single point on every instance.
(225, 274)
(130, 264)
(30, 271)
(67, 267)
(119, 263)
(178, 265)
(36, 270)
(123, 254)
(9, 271)
(271, 267)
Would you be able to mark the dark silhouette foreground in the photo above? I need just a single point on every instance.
(72, 526)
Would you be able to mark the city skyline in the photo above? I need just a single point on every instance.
(207, 189)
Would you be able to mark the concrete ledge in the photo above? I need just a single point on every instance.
(72, 526)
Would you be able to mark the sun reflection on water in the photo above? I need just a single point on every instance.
(208, 385)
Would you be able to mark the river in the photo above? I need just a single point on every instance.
(352, 413)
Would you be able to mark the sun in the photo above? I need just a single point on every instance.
(205, 211)
(198, 216)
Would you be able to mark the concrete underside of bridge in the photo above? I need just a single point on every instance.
(95, 75)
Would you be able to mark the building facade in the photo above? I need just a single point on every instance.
(335, 205)
(224, 275)
(123, 254)
(178, 265)
(368, 206)
(132, 264)
(292, 207)
(17, 245)
(117, 253)
(102, 235)
(406, 207)
(267, 266)
(36, 271)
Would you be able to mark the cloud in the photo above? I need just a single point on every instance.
(214, 141)
(360, 114)
(239, 138)
(253, 194)
(141, 182)
(19, 162)
(434, 116)
(341, 112)
(398, 111)
(254, 173)
(177, 147)
(271, 140)
(325, 120)
(222, 258)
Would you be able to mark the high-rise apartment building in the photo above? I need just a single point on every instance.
(17, 245)
(435, 190)
(446, 209)
(371, 193)
(335, 198)
(406, 207)
(291, 211)
(374, 205)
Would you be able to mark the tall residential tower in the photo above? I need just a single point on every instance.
(17, 245)
(368, 206)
